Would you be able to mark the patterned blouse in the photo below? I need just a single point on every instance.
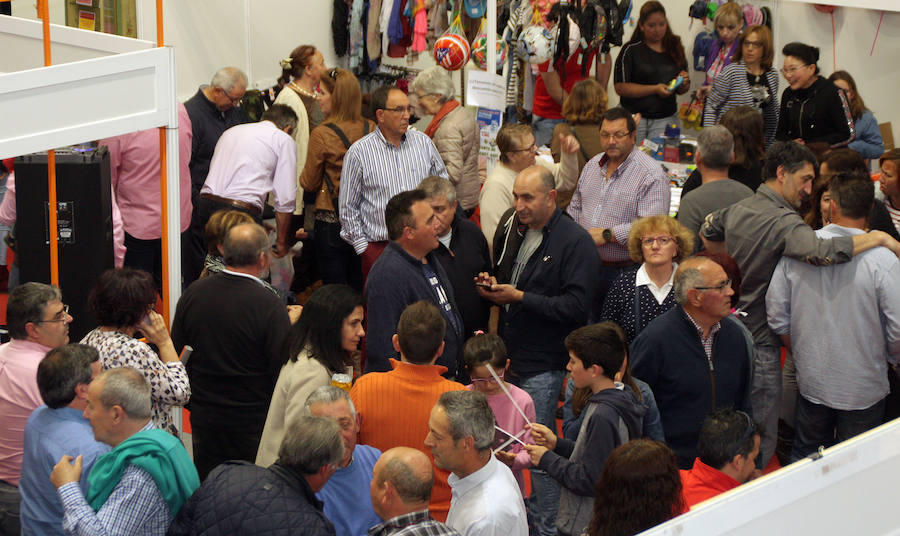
(168, 381)
(619, 306)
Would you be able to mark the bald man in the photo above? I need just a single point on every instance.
(400, 491)
(695, 357)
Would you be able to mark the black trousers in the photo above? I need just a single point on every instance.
(215, 444)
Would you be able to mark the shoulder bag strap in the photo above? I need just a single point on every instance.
(580, 144)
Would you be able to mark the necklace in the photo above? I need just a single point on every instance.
(302, 91)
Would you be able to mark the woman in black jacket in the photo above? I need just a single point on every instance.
(813, 110)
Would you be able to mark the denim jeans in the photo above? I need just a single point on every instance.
(544, 390)
(765, 397)
(818, 425)
(653, 128)
(543, 129)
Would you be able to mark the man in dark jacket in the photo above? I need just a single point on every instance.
(242, 498)
(546, 268)
(462, 251)
(408, 271)
(694, 357)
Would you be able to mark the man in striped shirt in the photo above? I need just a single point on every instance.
(379, 166)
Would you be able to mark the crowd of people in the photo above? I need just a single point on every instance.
(418, 386)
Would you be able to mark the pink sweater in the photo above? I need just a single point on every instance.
(509, 418)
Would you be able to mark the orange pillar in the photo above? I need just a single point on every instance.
(163, 187)
(44, 13)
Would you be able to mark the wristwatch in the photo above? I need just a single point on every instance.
(608, 236)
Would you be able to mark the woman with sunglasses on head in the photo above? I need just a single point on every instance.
(639, 295)
(341, 101)
(749, 81)
(648, 62)
(813, 110)
(728, 22)
(867, 140)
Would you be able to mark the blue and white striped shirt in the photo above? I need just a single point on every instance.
(374, 171)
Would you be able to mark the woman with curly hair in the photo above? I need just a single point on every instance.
(583, 111)
(639, 489)
(639, 295)
(122, 302)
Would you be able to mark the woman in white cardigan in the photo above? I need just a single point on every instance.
(300, 76)
(320, 345)
(749, 81)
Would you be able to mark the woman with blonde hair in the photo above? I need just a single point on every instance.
(328, 143)
(728, 22)
(639, 295)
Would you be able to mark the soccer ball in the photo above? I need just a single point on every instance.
(451, 51)
(479, 51)
(536, 44)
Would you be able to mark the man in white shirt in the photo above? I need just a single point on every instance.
(486, 498)
(250, 161)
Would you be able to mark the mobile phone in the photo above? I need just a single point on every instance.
(484, 285)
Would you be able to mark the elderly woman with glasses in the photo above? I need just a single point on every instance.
(814, 111)
(639, 295)
(452, 129)
(122, 302)
(749, 80)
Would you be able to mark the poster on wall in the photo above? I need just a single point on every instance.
(489, 123)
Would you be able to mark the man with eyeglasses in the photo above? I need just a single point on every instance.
(380, 165)
(37, 321)
(618, 186)
(726, 456)
(694, 357)
(212, 110)
(757, 231)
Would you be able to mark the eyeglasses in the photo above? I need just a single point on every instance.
(792, 70)
(531, 148)
(753, 44)
(614, 135)
(61, 316)
(661, 240)
(400, 110)
(234, 101)
(720, 287)
(487, 380)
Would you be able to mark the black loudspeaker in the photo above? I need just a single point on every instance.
(84, 221)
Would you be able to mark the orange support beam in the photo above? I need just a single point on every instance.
(44, 13)
(163, 188)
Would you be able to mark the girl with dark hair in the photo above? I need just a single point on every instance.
(813, 110)
(488, 349)
(319, 346)
(648, 62)
(123, 302)
(867, 142)
(746, 126)
(639, 489)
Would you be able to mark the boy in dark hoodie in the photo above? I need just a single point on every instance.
(613, 416)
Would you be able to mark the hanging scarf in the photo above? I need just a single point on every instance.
(438, 117)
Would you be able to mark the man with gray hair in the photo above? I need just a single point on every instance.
(212, 110)
(346, 495)
(400, 492)
(462, 251)
(241, 498)
(38, 321)
(138, 486)
(486, 498)
(715, 152)
(236, 328)
(694, 357)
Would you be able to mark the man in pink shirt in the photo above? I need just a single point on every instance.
(135, 178)
(38, 321)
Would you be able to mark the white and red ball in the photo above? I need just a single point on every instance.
(451, 51)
